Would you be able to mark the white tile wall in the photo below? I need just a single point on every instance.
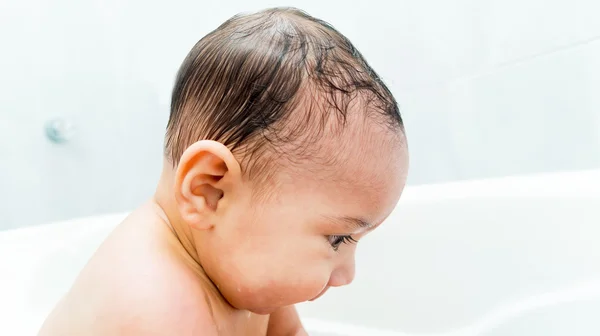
(56, 65)
(487, 88)
(540, 115)
(537, 115)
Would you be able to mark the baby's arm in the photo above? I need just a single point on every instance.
(285, 322)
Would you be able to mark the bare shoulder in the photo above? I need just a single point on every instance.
(158, 295)
(134, 286)
(156, 313)
(162, 305)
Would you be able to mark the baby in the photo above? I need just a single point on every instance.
(283, 149)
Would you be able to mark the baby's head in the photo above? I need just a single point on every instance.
(285, 149)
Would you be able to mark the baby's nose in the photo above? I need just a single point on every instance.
(342, 275)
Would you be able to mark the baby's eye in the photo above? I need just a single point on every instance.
(336, 241)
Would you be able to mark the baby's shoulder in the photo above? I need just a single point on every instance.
(147, 290)
(156, 304)
(141, 292)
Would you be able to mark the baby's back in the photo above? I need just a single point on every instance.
(138, 284)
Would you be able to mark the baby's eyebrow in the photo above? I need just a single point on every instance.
(356, 223)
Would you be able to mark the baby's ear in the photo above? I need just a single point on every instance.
(207, 171)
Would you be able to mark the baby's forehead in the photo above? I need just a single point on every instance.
(360, 173)
(366, 149)
(351, 149)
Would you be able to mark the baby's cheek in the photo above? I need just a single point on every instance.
(259, 278)
(302, 283)
(286, 285)
(284, 291)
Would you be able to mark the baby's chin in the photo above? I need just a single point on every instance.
(263, 311)
(260, 305)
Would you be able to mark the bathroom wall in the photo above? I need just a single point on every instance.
(487, 88)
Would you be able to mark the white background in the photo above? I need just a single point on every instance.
(487, 88)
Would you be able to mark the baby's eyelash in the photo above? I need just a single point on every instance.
(336, 241)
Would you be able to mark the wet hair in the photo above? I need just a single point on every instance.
(273, 82)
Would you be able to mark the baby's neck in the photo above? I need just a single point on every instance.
(181, 244)
(166, 208)
(181, 240)
(180, 236)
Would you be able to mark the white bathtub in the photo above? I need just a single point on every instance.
(512, 256)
